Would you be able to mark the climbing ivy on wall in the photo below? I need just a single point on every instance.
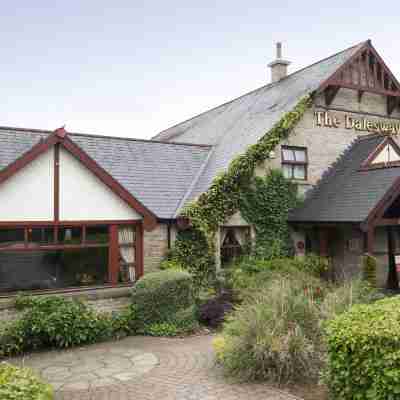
(227, 192)
(265, 205)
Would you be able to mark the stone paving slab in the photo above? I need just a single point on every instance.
(143, 368)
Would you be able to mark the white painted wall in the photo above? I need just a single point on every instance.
(84, 197)
(387, 154)
(28, 195)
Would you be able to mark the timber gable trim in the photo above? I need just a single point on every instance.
(364, 72)
(60, 138)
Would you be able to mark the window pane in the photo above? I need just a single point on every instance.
(11, 237)
(288, 155)
(54, 269)
(287, 171)
(97, 234)
(41, 235)
(299, 172)
(70, 235)
(300, 155)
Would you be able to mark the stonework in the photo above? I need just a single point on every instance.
(101, 304)
(155, 247)
(324, 145)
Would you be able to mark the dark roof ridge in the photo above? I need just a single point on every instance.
(41, 131)
(257, 89)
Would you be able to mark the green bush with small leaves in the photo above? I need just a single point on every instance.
(53, 322)
(158, 297)
(364, 352)
(22, 384)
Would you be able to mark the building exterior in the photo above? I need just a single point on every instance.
(84, 211)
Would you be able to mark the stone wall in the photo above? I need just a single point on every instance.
(102, 303)
(324, 145)
(155, 247)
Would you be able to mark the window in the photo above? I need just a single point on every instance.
(294, 162)
(55, 257)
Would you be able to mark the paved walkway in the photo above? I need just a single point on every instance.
(143, 368)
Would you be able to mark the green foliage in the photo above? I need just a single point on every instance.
(182, 323)
(162, 329)
(252, 272)
(369, 265)
(265, 205)
(274, 335)
(159, 297)
(22, 384)
(341, 298)
(364, 352)
(277, 333)
(222, 199)
(191, 252)
(53, 322)
(232, 191)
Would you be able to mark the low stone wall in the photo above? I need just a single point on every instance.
(101, 300)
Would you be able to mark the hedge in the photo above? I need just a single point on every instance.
(159, 296)
(364, 352)
(22, 384)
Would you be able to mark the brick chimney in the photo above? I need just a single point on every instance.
(279, 66)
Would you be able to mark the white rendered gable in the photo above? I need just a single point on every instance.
(83, 197)
(28, 195)
(386, 155)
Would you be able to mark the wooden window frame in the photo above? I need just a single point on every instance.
(112, 244)
(294, 163)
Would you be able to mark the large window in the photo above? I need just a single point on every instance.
(294, 162)
(59, 257)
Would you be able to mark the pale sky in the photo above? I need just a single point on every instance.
(133, 68)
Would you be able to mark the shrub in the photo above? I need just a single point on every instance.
(53, 322)
(182, 323)
(275, 335)
(212, 313)
(369, 265)
(252, 272)
(191, 253)
(158, 296)
(22, 384)
(341, 298)
(364, 352)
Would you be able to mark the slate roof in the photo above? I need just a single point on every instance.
(344, 193)
(163, 174)
(233, 126)
(157, 174)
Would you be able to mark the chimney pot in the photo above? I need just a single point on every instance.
(279, 50)
(279, 66)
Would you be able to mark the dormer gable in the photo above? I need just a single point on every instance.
(364, 72)
(386, 154)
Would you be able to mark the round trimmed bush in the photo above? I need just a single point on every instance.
(364, 352)
(158, 296)
(22, 384)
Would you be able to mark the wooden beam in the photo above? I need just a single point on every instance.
(330, 94)
(387, 222)
(385, 92)
(370, 240)
(323, 242)
(113, 255)
(139, 251)
(56, 182)
(392, 279)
